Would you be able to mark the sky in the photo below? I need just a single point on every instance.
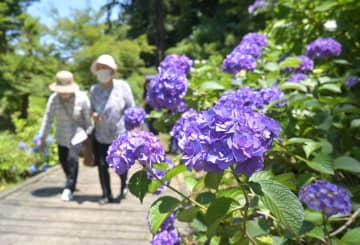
(42, 8)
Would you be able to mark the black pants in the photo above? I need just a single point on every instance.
(100, 151)
(69, 159)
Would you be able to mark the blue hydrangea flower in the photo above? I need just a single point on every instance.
(235, 62)
(272, 94)
(323, 48)
(167, 90)
(215, 139)
(352, 81)
(166, 237)
(33, 169)
(49, 140)
(181, 63)
(306, 65)
(134, 117)
(297, 77)
(255, 38)
(249, 48)
(142, 146)
(326, 197)
(36, 139)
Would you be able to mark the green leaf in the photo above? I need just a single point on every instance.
(211, 85)
(261, 175)
(283, 204)
(293, 86)
(347, 163)
(139, 184)
(325, 6)
(161, 166)
(310, 147)
(326, 146)
(213, 179)
(160, 210)
(292, 62)
(331, 87)
(355, 123)
(322, 163)
(205, 197)
(190, 182)
(154, 185)
(233, 192)
(181, 168)
(187, 215)
(296, 141)
(218, 209)
(352, 237)
(287, 179)
(271, 66)
(317, 233)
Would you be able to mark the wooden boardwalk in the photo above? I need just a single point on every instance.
(32, 213)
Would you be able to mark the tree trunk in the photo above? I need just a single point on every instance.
(24, 105)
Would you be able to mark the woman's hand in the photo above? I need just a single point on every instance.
(96, 117)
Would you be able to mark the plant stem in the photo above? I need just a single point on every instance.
(326, 232)
(246, 207)
(176, 191)
(351, 219)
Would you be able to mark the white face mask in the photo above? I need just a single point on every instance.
(104, 75)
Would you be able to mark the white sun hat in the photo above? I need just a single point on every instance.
(104, 59)
(64, 83)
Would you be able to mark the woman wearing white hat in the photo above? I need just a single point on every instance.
(71, 109)
(109, 99)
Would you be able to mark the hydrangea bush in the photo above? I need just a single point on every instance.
(267, 149)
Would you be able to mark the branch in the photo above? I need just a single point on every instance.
(351, 219)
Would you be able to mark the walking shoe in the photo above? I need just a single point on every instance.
(67, 195)
(106, 200)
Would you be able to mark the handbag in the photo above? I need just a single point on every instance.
(87, 148)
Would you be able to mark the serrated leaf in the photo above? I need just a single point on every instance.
(139, 184)
(347, 163)
(331, 87)
(181, 168)
(233, 192)
(211, 85)
(352, 237)
(213, 179)
(160, 210)
(292, 62)
(283, 204)
(322, 163)
(187, 215)
(293, 86)
(355, 123)
(261, 175)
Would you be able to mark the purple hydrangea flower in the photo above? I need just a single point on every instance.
(134, 117)
(181, 63)
(167, 90)
(22, 145)
(352, 81)
(297, 77)
(257, 5)
(166, 237)
(142, 146)
(326, 197)
(235, 62)
(49, 140)
(249, 48)
(306, 64)
(33, 169)
(36, 139)
(255, 38)
(215, 139)
(272, 94)
(323, 48)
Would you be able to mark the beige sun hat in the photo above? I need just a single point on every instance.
(64, 83)
(104, 59)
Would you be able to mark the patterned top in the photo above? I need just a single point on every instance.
(69, 115)
(110, 104)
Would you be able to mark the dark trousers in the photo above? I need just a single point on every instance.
(69, 159)
(100, 151)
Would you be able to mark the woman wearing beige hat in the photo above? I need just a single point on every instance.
(71, 109)
(109, 99)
